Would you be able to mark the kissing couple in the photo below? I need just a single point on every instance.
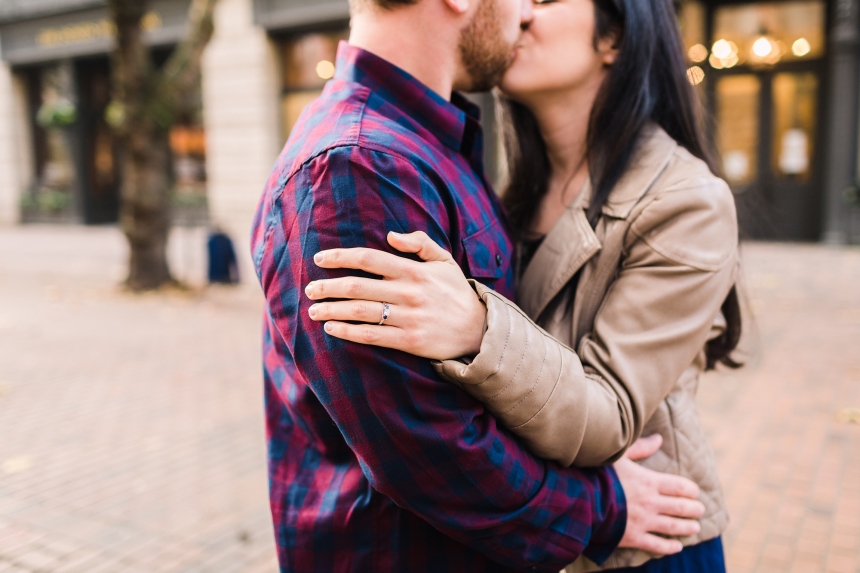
(456, 382)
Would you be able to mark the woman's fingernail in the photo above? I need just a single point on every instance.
(312, 311)
(396, 234)
(309, 289)
(329, 327)
(318, 258)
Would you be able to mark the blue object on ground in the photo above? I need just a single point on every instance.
(223, 268)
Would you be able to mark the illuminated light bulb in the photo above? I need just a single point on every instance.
(325, 70)
(762, 47)
(696, 75)
(716, 62)
(801, 47)
(722, 49)
(698, 53)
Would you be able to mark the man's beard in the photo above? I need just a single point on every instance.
(484, 53)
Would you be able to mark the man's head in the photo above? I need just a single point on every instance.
(478, 35)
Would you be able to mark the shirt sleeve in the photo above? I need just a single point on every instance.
(426, 444)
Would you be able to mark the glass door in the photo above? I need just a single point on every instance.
(98, 146)
(766, 136)
(764, 66)
(794, 192)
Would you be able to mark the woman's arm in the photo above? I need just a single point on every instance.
(586, 408)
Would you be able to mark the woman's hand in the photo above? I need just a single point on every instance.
(433, 311)
(658, 505)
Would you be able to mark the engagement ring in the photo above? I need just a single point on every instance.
(386, 312)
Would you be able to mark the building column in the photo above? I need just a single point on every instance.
(842, 109)
(14, 148)
(241, 82)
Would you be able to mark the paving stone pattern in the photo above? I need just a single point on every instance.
(788, 451)
(132, 438)
(131, 429)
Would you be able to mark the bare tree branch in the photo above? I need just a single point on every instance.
(182, 70)
(130, 59)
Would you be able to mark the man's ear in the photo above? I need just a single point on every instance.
(458, 6)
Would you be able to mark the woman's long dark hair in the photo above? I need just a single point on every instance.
(647, 83)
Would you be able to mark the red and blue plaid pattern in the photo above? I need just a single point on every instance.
(375, 464)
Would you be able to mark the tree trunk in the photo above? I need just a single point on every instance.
(145, 213)
(145, 102)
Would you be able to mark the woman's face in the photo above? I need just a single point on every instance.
(557, 52)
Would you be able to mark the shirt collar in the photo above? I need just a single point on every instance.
(455, 123)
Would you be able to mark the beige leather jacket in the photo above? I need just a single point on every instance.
(652, 278)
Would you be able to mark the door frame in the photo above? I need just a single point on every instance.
(766, 181)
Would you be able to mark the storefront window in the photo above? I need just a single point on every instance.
(794, 106)
(53, 102)
(738, 121)
(190, 202)
(768, 33)
(188, 146)
(308, 63)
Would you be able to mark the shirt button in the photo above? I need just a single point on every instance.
(499, 260)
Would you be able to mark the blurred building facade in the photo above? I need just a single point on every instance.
(780, 79)
(781, 83)
(57, 79)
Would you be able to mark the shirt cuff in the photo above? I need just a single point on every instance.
(608, 535)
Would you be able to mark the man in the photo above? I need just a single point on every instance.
(375, 463)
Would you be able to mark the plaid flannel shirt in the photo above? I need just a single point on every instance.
(375, 464)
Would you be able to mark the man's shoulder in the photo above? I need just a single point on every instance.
(349, 121)
(331, 121)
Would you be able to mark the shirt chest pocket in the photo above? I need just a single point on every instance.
(486, 253)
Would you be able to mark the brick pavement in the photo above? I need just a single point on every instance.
(788, 455)
(132, 440)
(131, 430)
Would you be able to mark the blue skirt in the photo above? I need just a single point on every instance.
(706, 557)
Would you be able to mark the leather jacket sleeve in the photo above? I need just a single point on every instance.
(585, 407)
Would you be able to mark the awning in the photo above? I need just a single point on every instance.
(33, 31)
(284, 15)
(17, 10)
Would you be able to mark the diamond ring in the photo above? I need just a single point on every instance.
(386, 313)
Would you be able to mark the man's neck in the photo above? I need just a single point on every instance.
(404, 38)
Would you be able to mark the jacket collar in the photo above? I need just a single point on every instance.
(455, 123)
(648, 163)
(568, 246)
(572, 242)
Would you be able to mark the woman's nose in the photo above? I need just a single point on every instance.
(526, 14)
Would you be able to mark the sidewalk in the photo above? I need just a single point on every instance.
(788, 454)
(131, 427)
(132, 437)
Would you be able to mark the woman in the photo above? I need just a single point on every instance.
(627, 254)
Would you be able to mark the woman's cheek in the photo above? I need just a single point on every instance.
(523, 77)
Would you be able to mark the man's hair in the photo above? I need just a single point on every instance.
(384, 4)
